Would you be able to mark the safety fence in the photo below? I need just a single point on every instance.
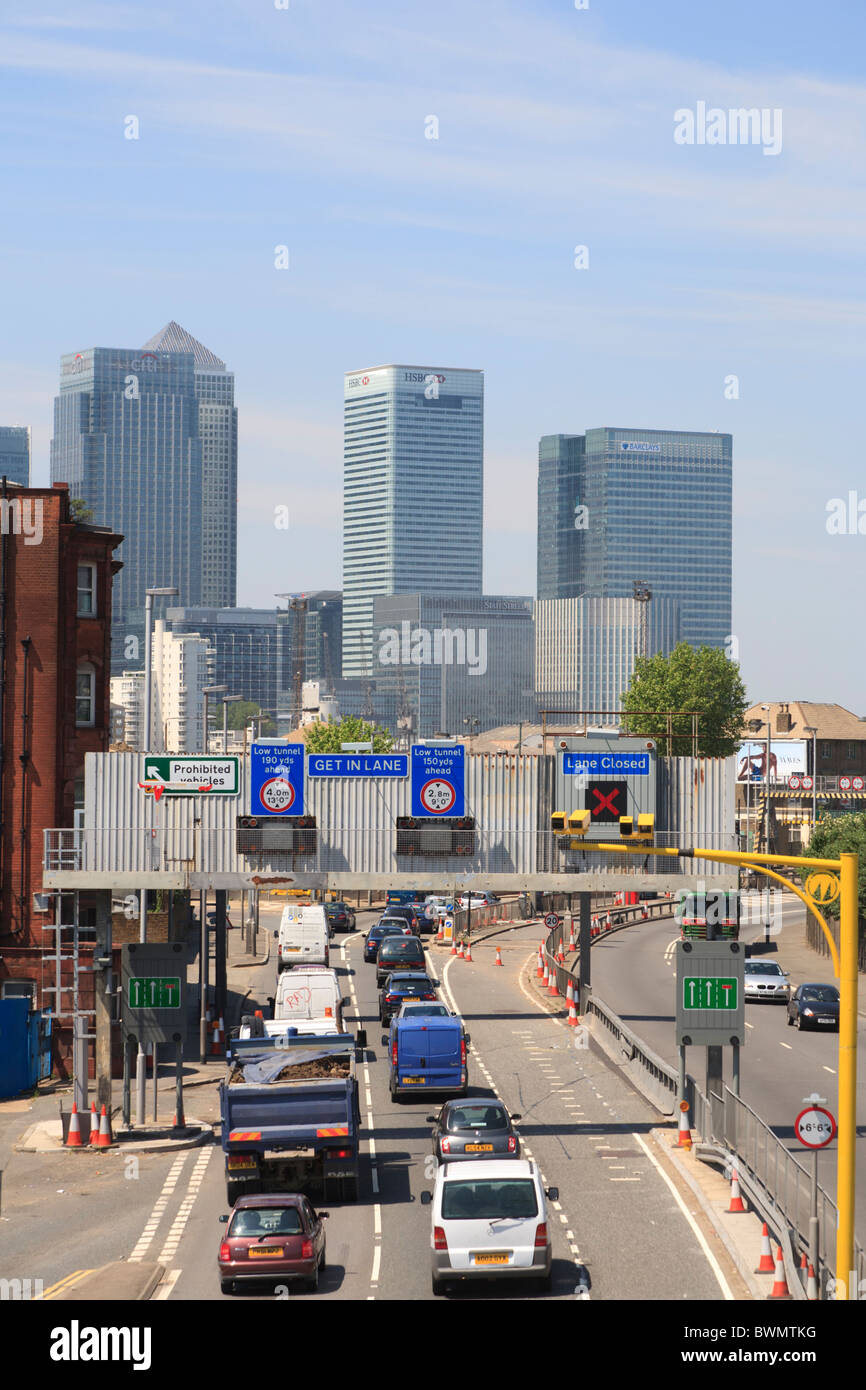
(818, 941)
(779, 1185)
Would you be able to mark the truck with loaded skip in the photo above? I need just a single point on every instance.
(290, 1119)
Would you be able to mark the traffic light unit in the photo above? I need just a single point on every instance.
(644, 833)
(442, 836)
(261, 835)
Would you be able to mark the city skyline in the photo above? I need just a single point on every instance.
(714, 289)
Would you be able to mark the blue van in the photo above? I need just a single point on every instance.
(401, 897)
(427, 1055)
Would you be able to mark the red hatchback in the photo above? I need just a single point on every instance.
(277, 1236)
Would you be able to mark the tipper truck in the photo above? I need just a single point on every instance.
(290, 1116)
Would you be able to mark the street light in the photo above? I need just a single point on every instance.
(210, 690)
(810, 729)
(226, 701)
(473, 725)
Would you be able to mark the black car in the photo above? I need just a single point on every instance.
(376, 935)
(471, 1129)
(403, 985)
(410, 916)
(340, 917)
(815, 1006)
(399, 953)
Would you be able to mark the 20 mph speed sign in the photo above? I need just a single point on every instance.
(815, 1127)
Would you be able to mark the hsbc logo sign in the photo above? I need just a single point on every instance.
(358, 381)
(426, 377)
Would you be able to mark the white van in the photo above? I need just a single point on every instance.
(303, 937)
(308, 1000)
(489, 1219)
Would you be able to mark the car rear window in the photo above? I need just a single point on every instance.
(822, 994)
(762, 967)
(425, 1011)
(489, 1200)
(402, 947)
(477, 1117)
(266, 1221)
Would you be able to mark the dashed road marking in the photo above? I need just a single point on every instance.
(165, 1289)
(178, 1226)
(155, 1217)
(787, 1045)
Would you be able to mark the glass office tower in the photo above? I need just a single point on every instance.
(646, 505)
(15, 453)
(412, 492)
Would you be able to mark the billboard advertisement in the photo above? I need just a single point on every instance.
(786, 757)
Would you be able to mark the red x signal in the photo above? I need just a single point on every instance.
(605, 801)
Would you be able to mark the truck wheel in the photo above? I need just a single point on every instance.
(350, 1189)
(233, 1191)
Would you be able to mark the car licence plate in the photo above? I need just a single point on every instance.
(267, 1252)
(826, 1020)
(478, 1148)
(492, 1259)
(235, 1161)
(414, 1080)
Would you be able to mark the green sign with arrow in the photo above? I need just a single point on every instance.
(710, 992)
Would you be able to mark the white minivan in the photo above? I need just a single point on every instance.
(489, 1219)
(303, 936)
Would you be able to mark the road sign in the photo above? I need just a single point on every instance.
(823, 887)
(552, 920)
(182, 776)
(606, 764)
(153, 989)
(815, 1127)
(844, 784)
(608, 777)
(438, 780)
(277, 779)
(710, 1006)
(806, 783)
(358, 765)
(857, 784)
(794, 783)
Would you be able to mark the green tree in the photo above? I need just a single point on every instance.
(79, 510)
(705, 681)
(242, 712)
(326, 738)
(835, 835)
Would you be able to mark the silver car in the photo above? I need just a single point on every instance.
(764, 979)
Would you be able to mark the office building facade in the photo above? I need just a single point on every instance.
(248, 652)
(617, 506)
(585, 649)
(413, 492)
(15, 454)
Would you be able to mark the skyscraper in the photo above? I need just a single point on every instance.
(620, 505)
(148, 440)
(15, 453)
(412, 492)
(218, 429)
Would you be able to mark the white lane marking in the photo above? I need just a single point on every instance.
(375, 1179)
(750, 1025)
(623, 1179)
(699, 1236)
(377, 1257)
(178, 1226)
(372, 1144)
(830, 1070)
(787, 1045)
(377, 1220)
(159, 1207)
(165, 1288)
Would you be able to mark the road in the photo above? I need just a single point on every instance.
(633, 972)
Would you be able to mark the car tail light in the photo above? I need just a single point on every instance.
(439, 1241)
(307, 1248)
(512, 1144)
(391, 998)
(541, 1235)
(428, 996)
(394, 1053)
(445, 1144)
(462, 1051)
(225, 1252)
(338, 1153)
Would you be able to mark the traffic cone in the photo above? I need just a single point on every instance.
(73, 1138)
(105, 1140)
(468, 952)
(766, 1264)
(546, 976)
(551, 984)
(498, 960)
(607, 925)
(539, 968)
(453, 947)
(460, 950)
(684, 1134)
(643, 913)
(780, 1283)
(222, 1034)
(736, 1200)
(215, 1041)
(571, 943)
(440, 935)
(94, 1125)
(569, 999)
(811, 1285)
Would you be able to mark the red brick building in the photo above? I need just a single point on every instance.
(55, 623)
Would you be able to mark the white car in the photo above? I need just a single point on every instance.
(489, 1219)
(478, 899)
(764, 979)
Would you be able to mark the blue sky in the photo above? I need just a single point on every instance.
(306, 127)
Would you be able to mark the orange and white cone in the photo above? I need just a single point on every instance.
(607, 924)
(498, 960)
(572, 1011)
(460, 950)
(539, 968)
(73, 1138)
(737, 1204)
(571, 943)
(453, 947)
(545, 981)
(684, 1134)
(440, 935)
(766, 1264)
(780, 1283)
(215, 1041)
(551, 984)
(811, 1285)
(94, 1125)
(467, 955)
(222, 1033)
(105, 1140)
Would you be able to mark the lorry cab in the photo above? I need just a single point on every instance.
(303, 937)
(427, 1055)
